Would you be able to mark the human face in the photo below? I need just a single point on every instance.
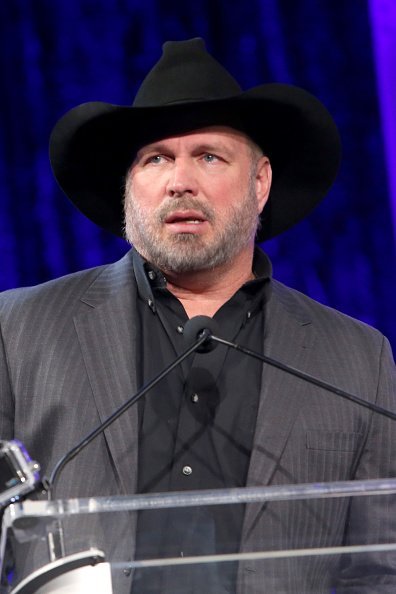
(192, 201)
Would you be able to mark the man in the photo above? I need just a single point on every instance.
(194, 158)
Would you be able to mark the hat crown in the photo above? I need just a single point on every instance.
(93, 145)
(185, 73)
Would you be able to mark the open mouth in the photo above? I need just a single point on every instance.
(185, 217)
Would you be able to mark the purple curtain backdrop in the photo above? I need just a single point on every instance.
(383, 25)
(55, 55)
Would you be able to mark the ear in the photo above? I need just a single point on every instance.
(263, 179)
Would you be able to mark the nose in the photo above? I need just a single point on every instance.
(182, 179)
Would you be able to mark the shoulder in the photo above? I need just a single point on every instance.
(67, 290)
(341, 350)
(331, 324)
(52, 294)
(75, 281)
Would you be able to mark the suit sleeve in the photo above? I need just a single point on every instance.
(6, 396)
(372, 520)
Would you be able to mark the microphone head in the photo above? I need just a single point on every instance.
(196, 327)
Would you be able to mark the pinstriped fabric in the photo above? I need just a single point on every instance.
(44, 342)
(6, 396)
(69, 361)
(305, 434)
(68, 354)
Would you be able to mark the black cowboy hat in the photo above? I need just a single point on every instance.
(92, 146)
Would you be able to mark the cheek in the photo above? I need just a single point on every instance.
(228, 193)
(143, 194)
(221, 188)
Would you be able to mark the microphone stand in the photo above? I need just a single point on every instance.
(200, 326)
(55, 536)
(304, 376)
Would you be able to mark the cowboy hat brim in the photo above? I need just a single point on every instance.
(94, 144)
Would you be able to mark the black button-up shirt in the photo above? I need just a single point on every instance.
(196, 427)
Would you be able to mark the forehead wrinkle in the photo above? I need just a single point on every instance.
(220, 133)
(197, 146)
(156, 147)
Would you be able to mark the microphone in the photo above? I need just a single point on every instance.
(201, 331)
(199, 327)
(206, 328)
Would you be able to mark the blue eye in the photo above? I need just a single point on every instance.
(156, 159)
(209, 158)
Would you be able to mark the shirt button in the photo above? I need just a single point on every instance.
(187, 470)
(194, 397)
(180, 329)
(151, 274)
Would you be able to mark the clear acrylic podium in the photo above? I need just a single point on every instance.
(98, 535)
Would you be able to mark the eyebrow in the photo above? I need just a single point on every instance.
(155, 147)
(213, 148)
(161, 147)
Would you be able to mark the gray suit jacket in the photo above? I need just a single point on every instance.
(67, 361)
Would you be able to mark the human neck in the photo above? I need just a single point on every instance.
(204, 292)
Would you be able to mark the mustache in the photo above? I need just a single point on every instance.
(170, 205)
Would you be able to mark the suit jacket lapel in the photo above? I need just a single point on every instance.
(288, 338)
(106, 328)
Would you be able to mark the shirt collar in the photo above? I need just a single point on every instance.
(149, 278)
(262, 266)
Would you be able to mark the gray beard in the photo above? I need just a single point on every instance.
(187, 252)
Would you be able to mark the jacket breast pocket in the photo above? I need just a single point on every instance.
(330, 455)
(338, 441)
